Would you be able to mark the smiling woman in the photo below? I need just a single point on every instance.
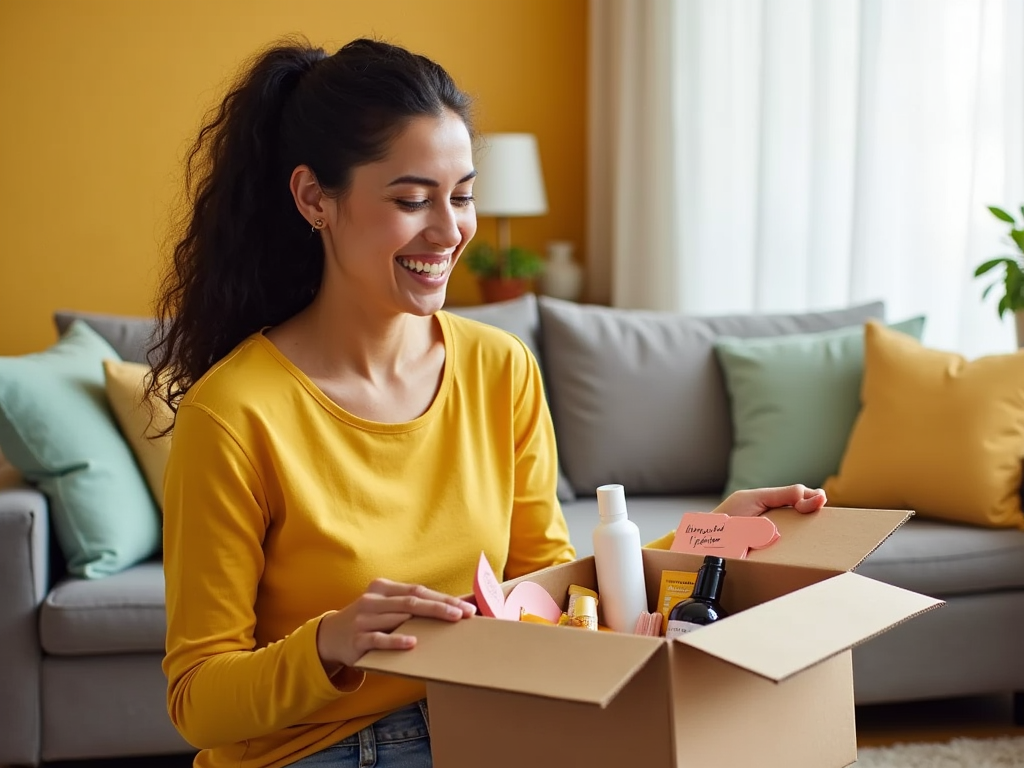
(330, 474)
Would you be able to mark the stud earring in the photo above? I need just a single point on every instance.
(317, 224)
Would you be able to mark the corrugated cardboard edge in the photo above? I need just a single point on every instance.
(552, 662)
(785, 636)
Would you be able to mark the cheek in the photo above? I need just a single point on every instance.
(468, 228)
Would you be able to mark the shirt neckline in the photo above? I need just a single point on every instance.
(357, 421)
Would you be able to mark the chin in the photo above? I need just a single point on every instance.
(426, 305)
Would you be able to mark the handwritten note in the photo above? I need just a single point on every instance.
(714, 534)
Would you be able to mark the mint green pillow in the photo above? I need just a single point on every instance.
(793, 400)
(57, 429)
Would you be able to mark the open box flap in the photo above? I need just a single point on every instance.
(556, 662)
(833, 538)
(784, 636)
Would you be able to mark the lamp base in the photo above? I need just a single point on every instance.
(504, 288)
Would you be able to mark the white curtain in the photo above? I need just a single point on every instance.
(790, 155)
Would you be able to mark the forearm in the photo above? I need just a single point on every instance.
(237, 695)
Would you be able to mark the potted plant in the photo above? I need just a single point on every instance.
(1012, 299)
(503, 274)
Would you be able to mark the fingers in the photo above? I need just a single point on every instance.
(377, 612)
(418, 600)
(798, 496)
(813, 500)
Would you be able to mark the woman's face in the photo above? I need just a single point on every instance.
(398, 231)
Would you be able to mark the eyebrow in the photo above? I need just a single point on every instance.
(423, 181)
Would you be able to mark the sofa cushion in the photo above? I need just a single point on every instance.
(793, 401)
(943, 559)
(520, 318)
(638, 397)
(129, 336)
(57, 429)
(937, 433)
(123, 613)
(141, 424)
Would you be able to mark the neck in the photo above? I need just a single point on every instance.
(347, 338)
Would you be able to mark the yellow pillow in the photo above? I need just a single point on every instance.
(936, 433)
(125, 385)
(9, 476)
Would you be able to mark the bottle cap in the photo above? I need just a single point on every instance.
(585, 605)
(584, 612)
(611, 501)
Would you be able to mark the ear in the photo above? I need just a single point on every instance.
(307, 193)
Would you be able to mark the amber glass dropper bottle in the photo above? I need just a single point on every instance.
(703, 607)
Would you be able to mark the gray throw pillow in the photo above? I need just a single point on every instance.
(638, 397)
(129, 336)
(520, 318)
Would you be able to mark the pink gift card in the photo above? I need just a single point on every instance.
(525, 596)
(708, 533)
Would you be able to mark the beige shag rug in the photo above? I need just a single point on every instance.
(958, 753)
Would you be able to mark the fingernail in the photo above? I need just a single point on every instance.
(453, 611)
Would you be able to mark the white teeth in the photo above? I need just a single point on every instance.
(433, 269)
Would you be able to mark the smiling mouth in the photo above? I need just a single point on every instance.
(428, 268)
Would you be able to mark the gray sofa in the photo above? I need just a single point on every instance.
(637, 398)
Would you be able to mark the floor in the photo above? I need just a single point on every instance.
(877, 725)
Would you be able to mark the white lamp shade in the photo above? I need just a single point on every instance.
(509, 181)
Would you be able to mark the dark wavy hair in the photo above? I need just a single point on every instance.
(246, 258)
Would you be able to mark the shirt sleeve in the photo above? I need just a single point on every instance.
(222, 688)
(539, 534)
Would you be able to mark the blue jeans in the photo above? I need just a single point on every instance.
(398, 740)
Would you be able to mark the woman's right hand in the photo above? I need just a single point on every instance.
(367, 624)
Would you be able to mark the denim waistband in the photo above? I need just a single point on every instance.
(397, 740)
(410, 722)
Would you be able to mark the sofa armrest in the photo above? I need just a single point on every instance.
(24, 581)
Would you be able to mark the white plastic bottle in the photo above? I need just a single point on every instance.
(620, 570)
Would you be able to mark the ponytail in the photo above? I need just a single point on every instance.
(239, 216)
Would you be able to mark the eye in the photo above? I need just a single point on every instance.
(412, 205)
(462, 201)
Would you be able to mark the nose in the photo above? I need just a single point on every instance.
(447, 226)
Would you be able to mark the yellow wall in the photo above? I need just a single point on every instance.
(100, 99)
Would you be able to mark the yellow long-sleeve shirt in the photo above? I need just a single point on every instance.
(280, 506)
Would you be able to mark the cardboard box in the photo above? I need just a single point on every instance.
(771, 686)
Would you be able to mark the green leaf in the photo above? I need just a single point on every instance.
(1000, 214)
(987, 291)
(989, 265)
(1004, 306)
(1018, 237)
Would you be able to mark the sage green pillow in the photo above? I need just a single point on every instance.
(793, 401)
(57, 429)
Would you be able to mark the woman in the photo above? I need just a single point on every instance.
(343, 449)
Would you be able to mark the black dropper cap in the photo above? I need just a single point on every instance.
(709, 578)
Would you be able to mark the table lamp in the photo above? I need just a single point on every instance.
(509, 181)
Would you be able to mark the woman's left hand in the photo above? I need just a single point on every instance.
(753, 502)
